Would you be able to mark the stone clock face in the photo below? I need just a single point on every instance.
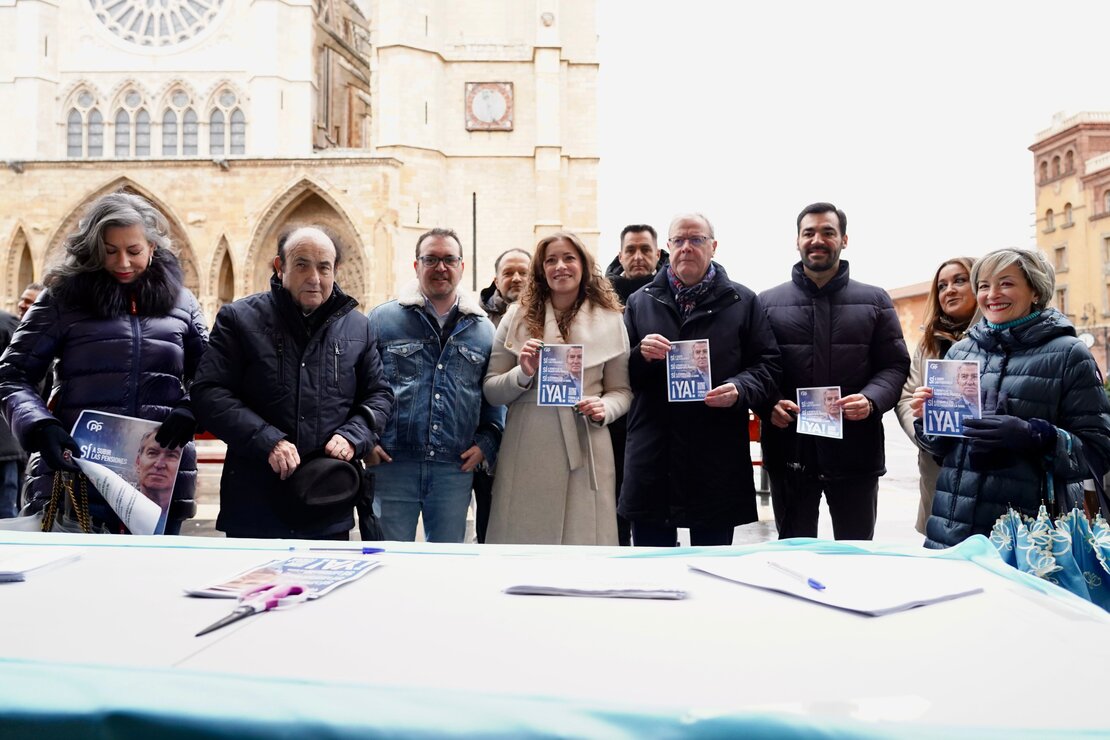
(489, 106)
(156, 23)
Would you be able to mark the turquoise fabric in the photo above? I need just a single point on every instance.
(1070, 552)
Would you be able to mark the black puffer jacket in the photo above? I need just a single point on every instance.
(844, 333)
(108, 358)
(267, 377)
(686, 464)
(9, 448)
(1038, 370)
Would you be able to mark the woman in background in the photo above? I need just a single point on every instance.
(555, 473)
(948, 314)
(127, 336)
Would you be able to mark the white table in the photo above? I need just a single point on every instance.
(428, 643)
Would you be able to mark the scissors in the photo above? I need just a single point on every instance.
(258, 599)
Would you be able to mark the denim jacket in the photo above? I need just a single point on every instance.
(439, 411)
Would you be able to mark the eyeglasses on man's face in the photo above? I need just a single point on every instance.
(693, 241)
(429, 260)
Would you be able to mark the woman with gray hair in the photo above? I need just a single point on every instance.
(1046, 419)
(126, 336)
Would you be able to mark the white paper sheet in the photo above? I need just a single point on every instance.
(867, 585)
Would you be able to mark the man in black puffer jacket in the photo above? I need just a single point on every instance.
(639, 259)
(289, 373)
(832, 331)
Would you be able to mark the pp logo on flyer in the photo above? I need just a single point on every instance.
(94, 426)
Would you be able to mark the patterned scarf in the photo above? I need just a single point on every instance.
(688, 297)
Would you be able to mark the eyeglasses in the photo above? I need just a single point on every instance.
(694, 241)
(432, 261)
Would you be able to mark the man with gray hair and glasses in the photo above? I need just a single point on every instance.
(688, 464)
(435, 342)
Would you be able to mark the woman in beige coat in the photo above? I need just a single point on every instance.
(555, 474)
(948, 314)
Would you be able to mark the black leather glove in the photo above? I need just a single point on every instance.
(1003, 432)
(52, 442)
(177, 429)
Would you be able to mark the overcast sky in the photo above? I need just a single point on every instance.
(915, 118)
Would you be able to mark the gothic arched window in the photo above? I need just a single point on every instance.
(189, 133)
(216, 132)
(75, 134)
(169, 133)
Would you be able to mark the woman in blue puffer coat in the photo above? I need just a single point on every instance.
(127, 337)
(1045, 424)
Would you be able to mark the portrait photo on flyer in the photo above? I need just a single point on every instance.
(560, 375)
(818, 413)
(120, 455)
(955, 385)
(688, 373)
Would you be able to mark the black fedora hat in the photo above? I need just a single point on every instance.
(324, 481)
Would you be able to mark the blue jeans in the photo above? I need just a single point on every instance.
(438, 490)
(9, 488)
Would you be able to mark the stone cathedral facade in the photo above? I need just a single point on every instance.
(381, 119)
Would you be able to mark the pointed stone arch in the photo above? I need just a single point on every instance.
(310, 203)
(185, 254)
(20, 268)
(221, 280)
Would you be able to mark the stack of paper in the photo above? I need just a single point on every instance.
(17, 561)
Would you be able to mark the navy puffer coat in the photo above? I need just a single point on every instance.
(123, 349)
(1038, 370)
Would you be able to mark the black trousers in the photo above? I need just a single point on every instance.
(796, 500)
(654, 534)
(618, 433)
(483, 500)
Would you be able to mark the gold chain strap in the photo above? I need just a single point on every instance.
(51, 510)
(80, 506)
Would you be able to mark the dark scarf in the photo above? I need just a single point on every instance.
(948, 331)
(153, 293)
(303, 326)
(688, 297)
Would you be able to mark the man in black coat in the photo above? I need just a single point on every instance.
(639, 259)
(833, 331)
(288, 374)
(687, 464)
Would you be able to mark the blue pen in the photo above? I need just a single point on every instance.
(351, 550)
(811, 582)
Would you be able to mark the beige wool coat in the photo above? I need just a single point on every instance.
(555, 481)
(927, 468)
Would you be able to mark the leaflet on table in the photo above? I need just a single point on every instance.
(19, 560)
(598, 587)
(318, 576)
(955, 385)
(128, 468)
(688, 374)
(818, 414)
(873, 585)
(560, 371)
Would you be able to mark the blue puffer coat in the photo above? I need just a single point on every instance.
(1038, 370)
(122, 349)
